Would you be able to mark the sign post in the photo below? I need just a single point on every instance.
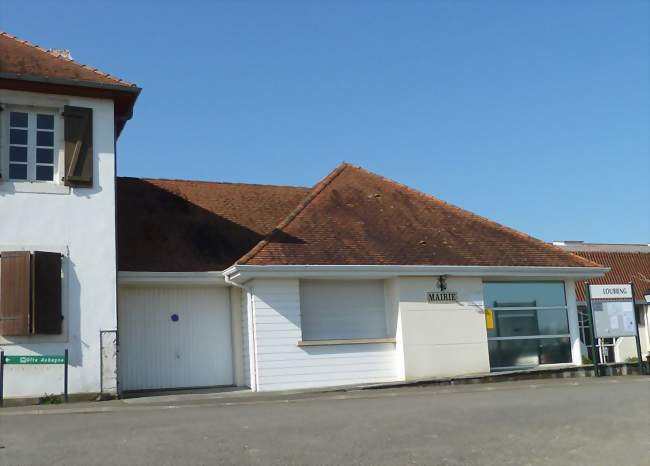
(612, 314)
(594, 347)
(65, 376)
(2, 377)
(35, 360)
(638, 337)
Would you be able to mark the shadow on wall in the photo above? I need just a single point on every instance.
(161, 231)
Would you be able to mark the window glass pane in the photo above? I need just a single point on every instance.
(529, 323)
(523, 294)
(44, 138)
(552, 321)
(507, 353)
(18, 119)
(17, 154)
(526, 353)
(18, 136)
(555, 350)
(44, 173)
(44, 155)
(44, 121)
(17, 172)
(514, 324)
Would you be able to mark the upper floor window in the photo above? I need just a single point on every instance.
(32, 144)
(44, 146)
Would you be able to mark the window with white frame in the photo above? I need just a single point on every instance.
(30, 151)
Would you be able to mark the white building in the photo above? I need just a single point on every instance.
(628, 263)
(357, 280)
(59, 121)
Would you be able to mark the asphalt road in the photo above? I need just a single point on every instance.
(556, 422)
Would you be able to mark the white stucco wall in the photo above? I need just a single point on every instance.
(572, 314)
(442, 340)
(80, 223)
(626, 348)
(644, 330)
(394, 322)
(237, 335)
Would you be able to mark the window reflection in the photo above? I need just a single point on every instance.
(530, 325)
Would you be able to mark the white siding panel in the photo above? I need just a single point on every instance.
(156, 352)
(282, 365)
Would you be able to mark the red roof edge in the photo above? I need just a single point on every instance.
(55, 54)
(318, 188)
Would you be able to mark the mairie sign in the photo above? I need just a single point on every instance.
(442, 296)
(42, 359)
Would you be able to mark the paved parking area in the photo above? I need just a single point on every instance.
(552, 422)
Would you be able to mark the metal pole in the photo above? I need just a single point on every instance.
(636, 333)
(65, 376)
(592, 331)
(2, 377)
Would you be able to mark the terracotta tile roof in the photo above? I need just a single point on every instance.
(24, 59)
(354, 217)
(179, 226)
(625, 267)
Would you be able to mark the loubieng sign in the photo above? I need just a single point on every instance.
(611, 291)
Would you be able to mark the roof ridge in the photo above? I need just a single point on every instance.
(70, 60)
(585, 243)
(316, 190)
(215, 182)
(475, 216)
(609, 252)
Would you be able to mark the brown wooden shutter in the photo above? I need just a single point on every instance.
(15, 293)
(78, 129)
(47, 293)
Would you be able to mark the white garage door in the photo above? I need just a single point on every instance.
(174, 337)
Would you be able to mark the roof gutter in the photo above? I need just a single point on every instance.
(123, 95)
(71, 82)
(243, 273)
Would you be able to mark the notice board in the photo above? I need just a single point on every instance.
(613, 310)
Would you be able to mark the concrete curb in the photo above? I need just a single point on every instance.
(227, 398)
(566, 372)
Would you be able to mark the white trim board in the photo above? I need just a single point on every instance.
(170, 278)
(242, 273)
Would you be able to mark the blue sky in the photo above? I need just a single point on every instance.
(535, 114)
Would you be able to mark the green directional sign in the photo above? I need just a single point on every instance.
(42, 359)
